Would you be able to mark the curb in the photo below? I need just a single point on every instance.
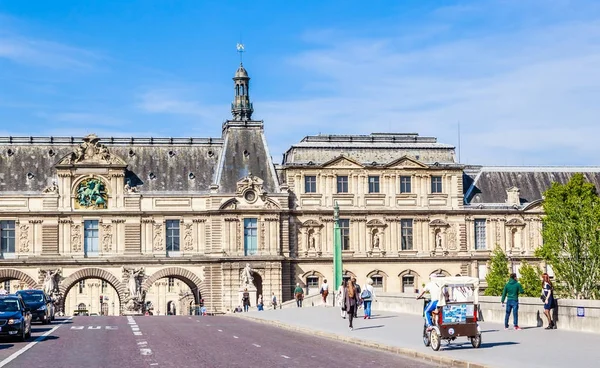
(441, 360)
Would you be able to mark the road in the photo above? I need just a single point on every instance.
(183, 341)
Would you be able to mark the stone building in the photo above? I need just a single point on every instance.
(127, 218)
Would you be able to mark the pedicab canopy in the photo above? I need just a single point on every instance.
(452, 284)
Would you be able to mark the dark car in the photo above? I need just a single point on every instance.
(15, 317)
(40, 305)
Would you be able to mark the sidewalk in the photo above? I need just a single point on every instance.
(531, 347)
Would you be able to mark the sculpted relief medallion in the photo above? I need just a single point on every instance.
(91, 194)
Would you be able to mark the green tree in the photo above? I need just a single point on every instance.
(572, 237)
(531, 279)
(498, 274)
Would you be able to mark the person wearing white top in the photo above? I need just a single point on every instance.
(339, 297)
(324, 292)
(368, 295)
(434, 292)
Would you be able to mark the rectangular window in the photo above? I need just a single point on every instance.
(342, 184)
(171, 284)
(310, 184)
(408, 284)
(172, 235)
(406, 231)
(377, 281)
(480, 234)
(405, 184)
(7, 286)
(104, 286)
(250, 238)
(81, 286)
(312, 282)
(436, 184)
(90, 238)
(344, 225)
(373, 184)
(7, 237)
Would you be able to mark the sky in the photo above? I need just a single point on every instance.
(520, 78)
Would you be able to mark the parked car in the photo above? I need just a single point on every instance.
(15, 317)
(42, 308)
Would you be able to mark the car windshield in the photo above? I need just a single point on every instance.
(9, 305)
(32, 298)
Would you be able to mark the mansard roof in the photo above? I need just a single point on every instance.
(489, 184)
(380, 148)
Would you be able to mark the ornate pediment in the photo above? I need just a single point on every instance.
(250, 182)
(438, 223)
(91, 151)
(376, 223)
(515, 222)
(406, 162)
(342, 162)
(311, 223)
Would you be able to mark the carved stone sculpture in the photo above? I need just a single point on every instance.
(375, 240)
(129, 189)
(106, 238)
(76, 238)
(135, 298)
(23, 238)
(51, 189)
(50, 285)
(188, 239)
(91, 150)
(91, 194)
(247, 279)
(157, 241)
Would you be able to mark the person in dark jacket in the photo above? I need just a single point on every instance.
(351, 301)
(511, 292)
(246, 300)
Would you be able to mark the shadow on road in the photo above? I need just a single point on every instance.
(42, 329)
(485, 345)
(383, 317)
(6, 346)
(367, 327)
(487, 331)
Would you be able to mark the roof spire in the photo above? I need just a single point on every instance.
(241, 108)
(240, 50)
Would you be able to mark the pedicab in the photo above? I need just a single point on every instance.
(456, 313)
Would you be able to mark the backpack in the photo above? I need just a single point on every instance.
(366, 294)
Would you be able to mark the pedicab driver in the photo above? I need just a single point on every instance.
(434, 292)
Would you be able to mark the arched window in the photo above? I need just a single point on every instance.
(408, 284)
(379, 279)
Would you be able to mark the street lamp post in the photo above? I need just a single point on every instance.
(337, 247)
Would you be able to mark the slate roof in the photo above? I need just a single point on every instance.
(366, 149)
(489, 184)
(154, 165)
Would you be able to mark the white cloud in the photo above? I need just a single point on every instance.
(524, 94)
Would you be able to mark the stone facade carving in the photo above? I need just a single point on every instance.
(51, 189)
(250, 182)
(76, 238)
(133, 278)
(129, 189)
(246, 278)
(92, 151)
(24, 238)
(91, 194)
(50, 280)
(107, 238)
(157, 240)
(188, 238)
(451, 237)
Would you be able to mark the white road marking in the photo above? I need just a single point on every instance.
(285, 356)
(235, 337)
(153, 363)
(31, 344)
(143, 343)
(207, 325)
(258, 346)
(146, 351)
(77, 327)
(137, 333)
(135, 329)
(94, 327)
(220, 330)
(112, 327)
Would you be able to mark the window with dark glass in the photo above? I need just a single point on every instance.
(373, 184)
(90, 238)
(312, 281)
(172, 235)
(250, 238)
(480, 239)
(7, 286)
(171, 284)
(342, 184)
(406, 231)
(377, 281)
(345, 232)
(405, 184)
(436, 184)
(81, 286)
(310, 184)
(104, 286)
(7, 236)
(408, 284)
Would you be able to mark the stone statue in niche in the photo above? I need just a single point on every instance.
(311, 239)
(438, 240)
(375, 244)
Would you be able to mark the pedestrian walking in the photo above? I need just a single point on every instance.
(548, 299)
(246, 300)
(299, 295)
(367, 296)
(511, 292)
(273, 300)
(359, 291)
(260, 304)
(324, 291)
(351, 300)
(339, 298)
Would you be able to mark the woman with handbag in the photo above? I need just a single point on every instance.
(352, 299)
(548, 299)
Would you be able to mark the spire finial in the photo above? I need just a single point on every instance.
(240, 50)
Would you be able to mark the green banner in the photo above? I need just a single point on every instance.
(337, 249)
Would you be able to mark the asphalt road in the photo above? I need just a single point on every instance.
(181, 341)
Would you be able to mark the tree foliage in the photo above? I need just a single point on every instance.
(530, 279)
(498, 273)
(571, 236)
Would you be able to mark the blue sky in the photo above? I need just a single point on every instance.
(521, 77)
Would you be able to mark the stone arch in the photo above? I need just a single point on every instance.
(13, 274)
(439, 271)
(230, 204)
(188, 277)
(383, 275)
(409, 272)
(91, 273)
